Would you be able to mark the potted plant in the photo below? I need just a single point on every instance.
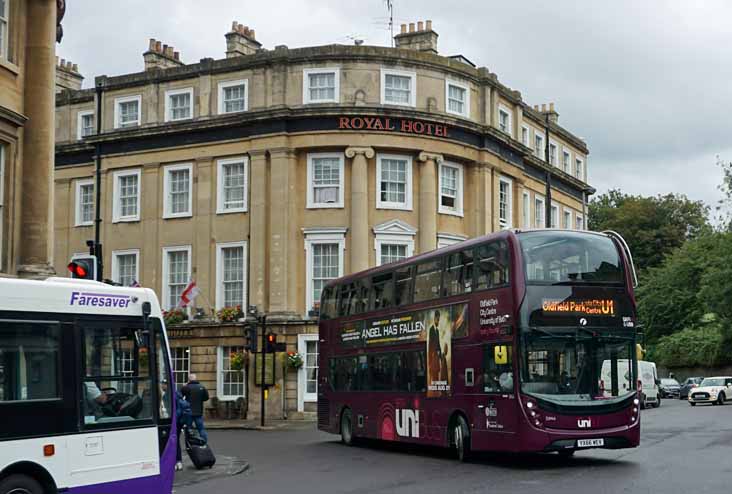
(237, 361)
(294, 360)
(230, 314)
(174, 316)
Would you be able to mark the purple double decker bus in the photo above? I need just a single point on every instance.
(520, 341)
(86, 389)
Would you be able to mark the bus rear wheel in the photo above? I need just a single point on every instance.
(461, 439)
(347, 427)
(20, 484)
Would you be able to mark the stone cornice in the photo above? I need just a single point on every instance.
(15, 118)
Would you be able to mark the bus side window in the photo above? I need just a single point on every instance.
(498, 368)
(382, 291)
(328, 305)
(363, 290)
(459, 273)
(428, 281)
(403, 284)
(492, 261)
(346, 299)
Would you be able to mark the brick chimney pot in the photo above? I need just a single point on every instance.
(429, 25)
(420, 26)
(411, 27)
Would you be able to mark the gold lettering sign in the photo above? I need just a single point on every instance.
(406, 125)
(591, 307)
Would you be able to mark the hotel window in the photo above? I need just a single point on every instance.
(85, 123)
(393, 241)
(539, 145)
(505, 202)
(177, 191)
(567, 222)
(321, 85)
(555, 216)
(458, 98)
(84, 202)
(504, 120)
(181, 358)
(525, 135)
(392, 253)
(127, 112)
(176, 274)
(324, 249)
(526, 211)
(126, 205)
(552, 153)
(579, 222)
(233, 96)
(4, 31)
(394, 182)
(125, 265)
(579, 168)
(231, 274)
(451, 189)
(178, 104)
(325, 180)
(229, 382)
(566, 161)
(398, 88)
(231, 186)
(448, 239)
(539, 218)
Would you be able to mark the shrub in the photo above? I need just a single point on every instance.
(700, 346)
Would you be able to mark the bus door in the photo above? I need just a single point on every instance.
(496, 414)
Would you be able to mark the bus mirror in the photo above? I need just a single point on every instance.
(500, 354)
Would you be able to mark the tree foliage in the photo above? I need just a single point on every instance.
(699, 346)
(724, 207)
(653, 226)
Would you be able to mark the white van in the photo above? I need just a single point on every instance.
(646, 373)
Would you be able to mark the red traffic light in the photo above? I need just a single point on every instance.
(270, 338)
(77, 270)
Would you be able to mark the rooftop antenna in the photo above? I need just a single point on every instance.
(390, 9)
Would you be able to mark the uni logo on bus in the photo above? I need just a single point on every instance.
(407, 422)
(584, 423)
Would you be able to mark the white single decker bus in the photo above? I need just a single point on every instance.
(86, 389)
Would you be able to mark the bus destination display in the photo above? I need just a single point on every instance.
(588, 307)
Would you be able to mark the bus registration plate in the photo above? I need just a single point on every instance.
(589, 443)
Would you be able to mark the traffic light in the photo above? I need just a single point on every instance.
(83, 267)
(270, 343)
(250, 338)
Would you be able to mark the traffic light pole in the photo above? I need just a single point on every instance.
(98, 189)
(264, 358)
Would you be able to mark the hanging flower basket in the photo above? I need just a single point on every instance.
(230, 314)
(174, 316)
(294, 360)
(236, 361)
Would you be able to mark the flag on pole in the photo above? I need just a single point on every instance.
(190, 293)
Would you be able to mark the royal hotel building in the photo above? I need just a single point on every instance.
(264, 174)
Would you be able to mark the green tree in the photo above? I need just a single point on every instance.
(653, 226)
(724, 206)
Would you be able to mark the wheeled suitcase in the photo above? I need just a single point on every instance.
(198, 451)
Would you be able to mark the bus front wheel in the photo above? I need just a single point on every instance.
(20, 484)
(347, 427)
(461, 439)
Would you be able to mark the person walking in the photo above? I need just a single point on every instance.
(196, 394)
(183, 420)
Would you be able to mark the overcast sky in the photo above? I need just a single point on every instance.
(645, 83)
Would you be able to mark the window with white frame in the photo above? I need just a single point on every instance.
(4, 28)
(126, 205)
(84, 202)
(504, 120)
(448, 239)
(505, 202)
(178, 104)
(525, 210)
(127, 111)
(181, 359)
(231, 274)
(539, 214)
(321, 85)
(177, 191)
(579, 222)
(229, 382)
(324, 249)
(176, 274)
(398, 87)
(451, 189)
(307, 380)
(325, 180)
(457, 96)
(552, 153)
(393, 241)
(85, 123)
(567, 219)
(555, 216)
(231, 186)
(233, 96)
(579, 168)
(566, 161)
(125, 267)
(525, 135)
(538, 144)
(393, 182)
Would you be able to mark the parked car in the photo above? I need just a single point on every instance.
(714, 390)
(669, 388)
(691, 382)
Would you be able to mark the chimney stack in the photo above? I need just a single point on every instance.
(421, 39)
(67, 75)
(161, 56)
(241, 41)
(551, 113)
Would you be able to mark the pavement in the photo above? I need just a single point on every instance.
(683, 449)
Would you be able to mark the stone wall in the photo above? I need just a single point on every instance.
(681, 373)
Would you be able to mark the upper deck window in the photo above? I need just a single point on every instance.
(398, 88)
(457, 97)
(570, 257)
(127, 111)
(321, 85)
(233, 96)
(179, 104)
